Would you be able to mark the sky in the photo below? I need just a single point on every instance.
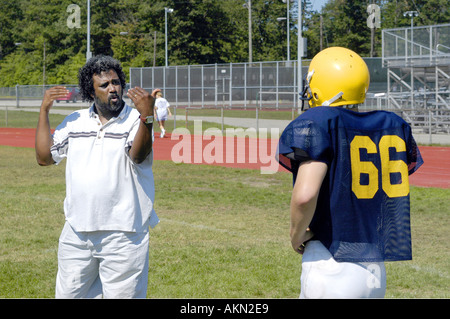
(317, 4)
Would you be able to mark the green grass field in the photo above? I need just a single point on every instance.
(223, 234)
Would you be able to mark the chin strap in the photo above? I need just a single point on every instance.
(333, 99)
(307, 91)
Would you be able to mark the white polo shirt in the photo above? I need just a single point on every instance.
(105, 189)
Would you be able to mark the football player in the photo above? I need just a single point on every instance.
(350, 206)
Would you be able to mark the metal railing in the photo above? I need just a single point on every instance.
(417, 46)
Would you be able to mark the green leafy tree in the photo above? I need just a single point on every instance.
(35, 33)
(198, 31)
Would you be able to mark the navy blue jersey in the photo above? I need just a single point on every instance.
(363, 209)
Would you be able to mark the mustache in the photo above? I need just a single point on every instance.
(115, 96)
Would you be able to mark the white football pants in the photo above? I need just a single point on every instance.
(106, 264)
(323, 277)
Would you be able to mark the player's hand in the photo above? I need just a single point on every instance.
(299, 245)
(51, 95)
(143, 101)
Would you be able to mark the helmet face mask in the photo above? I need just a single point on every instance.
(336, 77)
(305, 95)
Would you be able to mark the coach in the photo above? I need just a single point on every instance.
(104, 245)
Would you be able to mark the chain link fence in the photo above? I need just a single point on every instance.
(236, 85)
(260, 85)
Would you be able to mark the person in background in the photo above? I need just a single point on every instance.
(162, 110)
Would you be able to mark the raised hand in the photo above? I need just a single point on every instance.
(51, 95)
(143, 100)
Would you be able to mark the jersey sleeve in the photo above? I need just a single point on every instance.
(61, 135)
(303, 139)
(413, 156)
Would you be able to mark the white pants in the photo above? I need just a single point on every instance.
(323, 277)
(104, 263)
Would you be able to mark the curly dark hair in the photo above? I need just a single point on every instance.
(97, 65)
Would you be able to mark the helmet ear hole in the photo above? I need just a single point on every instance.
(316, 97)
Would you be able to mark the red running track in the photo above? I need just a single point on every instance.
(249, 153)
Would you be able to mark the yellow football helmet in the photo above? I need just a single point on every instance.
(336, 77)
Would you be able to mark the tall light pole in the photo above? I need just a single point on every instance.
(288, 53)
(248, 5)
(250, 44)
(411, 14)
(299, 52)
(166, 10)
(88, 49)
(287, 30)
(43, 68)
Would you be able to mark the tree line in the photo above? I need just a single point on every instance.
(46, 41)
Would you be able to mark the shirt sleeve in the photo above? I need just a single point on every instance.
(303, 140)
(132, 134)
(61, 135)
